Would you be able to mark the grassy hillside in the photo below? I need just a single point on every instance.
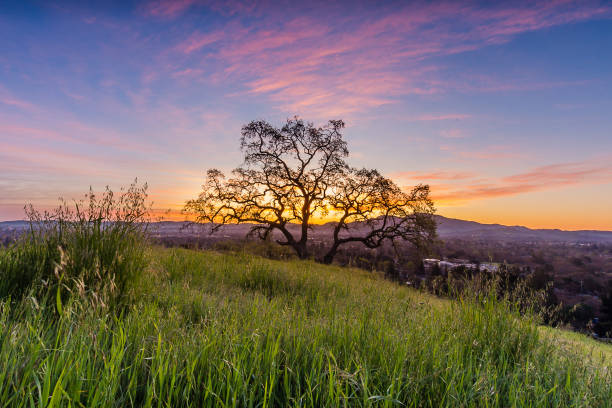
(210, 329)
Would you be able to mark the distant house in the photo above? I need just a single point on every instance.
(489, 266)
(444, 266)
(430, 263)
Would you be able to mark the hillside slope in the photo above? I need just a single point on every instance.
(210, 329)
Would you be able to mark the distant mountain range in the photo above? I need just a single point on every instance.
(454, 228)
(447, 228)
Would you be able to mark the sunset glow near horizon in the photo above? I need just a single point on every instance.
(504, 110)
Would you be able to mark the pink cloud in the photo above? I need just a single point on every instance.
(451, 194)
(509, 21)
(452, 133)
(566, 173)
(551, 177)
(17, 103)
(7, 98)
(70, 133)
(240, 7)
(30, 159)
(167, 8)
(339, 62)
(74, 96)
(31, 132)
(198, 41)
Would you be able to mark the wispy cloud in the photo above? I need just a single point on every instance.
(452, 133)
(450, 188)
(564, 174)
(197, 40)
(71, 133)
(17, 103)
(167, 8)
(8, 99)
(349, 64)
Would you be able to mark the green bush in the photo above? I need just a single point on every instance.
(94, 248)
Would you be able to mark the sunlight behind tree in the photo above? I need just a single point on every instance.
(298, 174)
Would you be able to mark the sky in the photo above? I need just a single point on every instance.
(503, 108)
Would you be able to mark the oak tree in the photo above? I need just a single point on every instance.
(372, 209)
(285, 179)
(295, 173)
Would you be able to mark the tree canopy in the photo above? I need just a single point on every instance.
(293, 174)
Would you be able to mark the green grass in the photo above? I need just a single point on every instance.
(210, 329)
(571, 341)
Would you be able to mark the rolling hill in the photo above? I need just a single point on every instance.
(447, 228)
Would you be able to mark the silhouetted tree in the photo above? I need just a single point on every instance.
(292, 173)
(285, 178)
(373, 209)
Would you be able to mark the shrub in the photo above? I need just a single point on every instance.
(93, 248)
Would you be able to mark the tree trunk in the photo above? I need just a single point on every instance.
(301, 250)
(303, 242)
(329, 256)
